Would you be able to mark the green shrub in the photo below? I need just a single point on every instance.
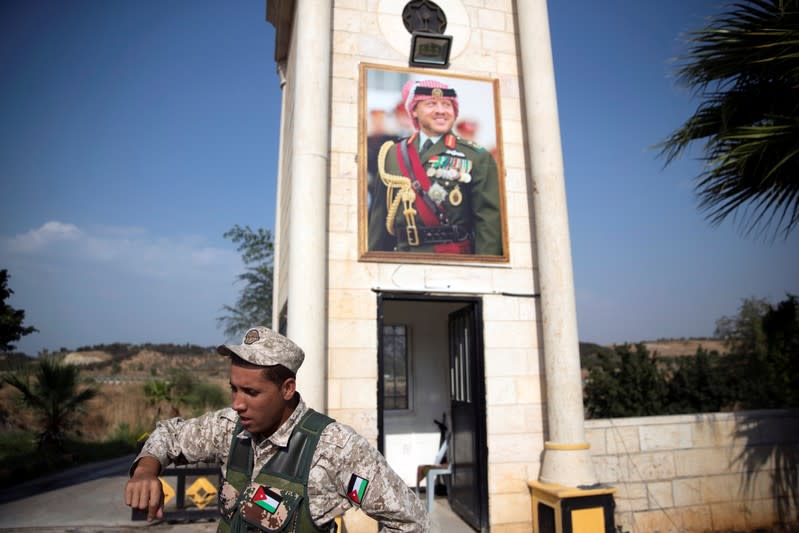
(206, 397)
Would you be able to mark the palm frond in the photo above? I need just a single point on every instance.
(744, 65)
(55, 394)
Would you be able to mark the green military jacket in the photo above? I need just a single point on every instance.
(464, 193)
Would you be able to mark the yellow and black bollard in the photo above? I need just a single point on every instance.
(560, 509)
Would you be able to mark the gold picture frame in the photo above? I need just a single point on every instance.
(478, 205)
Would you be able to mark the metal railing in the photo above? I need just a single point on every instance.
(202, 500)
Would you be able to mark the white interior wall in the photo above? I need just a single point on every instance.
(411, 437)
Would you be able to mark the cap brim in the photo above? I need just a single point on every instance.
(225, 350)
(250, 354)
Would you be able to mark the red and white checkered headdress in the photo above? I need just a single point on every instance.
(414, 92)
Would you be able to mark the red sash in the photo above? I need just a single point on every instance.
(429, 218)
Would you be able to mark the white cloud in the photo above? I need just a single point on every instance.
(38, 239)
(102, 284)
(127, 249)
(208, 256)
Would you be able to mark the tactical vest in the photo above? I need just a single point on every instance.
(277, 500)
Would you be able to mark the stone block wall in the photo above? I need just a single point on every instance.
(697, 473)
(371, 31)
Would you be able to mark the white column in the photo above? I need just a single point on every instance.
(307, 246)
(566, 460)
(281, 71)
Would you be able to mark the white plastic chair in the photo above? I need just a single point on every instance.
(431, 472)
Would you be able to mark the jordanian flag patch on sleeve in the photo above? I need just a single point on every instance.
(357, 488)
(267, 499)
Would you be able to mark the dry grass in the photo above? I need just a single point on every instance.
(109, 424)
(673, 348)
(117, 406)
(123, 405)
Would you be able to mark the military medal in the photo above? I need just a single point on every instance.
(437, 193)
(466, 168)
(433, 163)
(455, 196)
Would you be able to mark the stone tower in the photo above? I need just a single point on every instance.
(405, 333)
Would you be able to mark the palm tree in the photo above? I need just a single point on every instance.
(744, 65)
(55, 395)
(157, 393)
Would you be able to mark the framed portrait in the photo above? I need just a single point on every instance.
(431, 174)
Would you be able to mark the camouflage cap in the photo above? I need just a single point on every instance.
(263, 347)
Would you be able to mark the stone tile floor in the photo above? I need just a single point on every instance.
(444, 520)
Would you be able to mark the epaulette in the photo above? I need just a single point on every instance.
(471, 144)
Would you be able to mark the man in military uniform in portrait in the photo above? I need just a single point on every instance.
(437, 193)
(285, 467)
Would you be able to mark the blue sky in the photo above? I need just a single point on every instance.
(134, 134)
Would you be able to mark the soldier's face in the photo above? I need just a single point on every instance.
(261, 404)
(435, 116)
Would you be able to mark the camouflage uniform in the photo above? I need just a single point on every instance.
(340, 455)
(474, 208)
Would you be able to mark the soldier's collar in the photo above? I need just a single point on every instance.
(450, 141)
(423, 138)
(281, 436)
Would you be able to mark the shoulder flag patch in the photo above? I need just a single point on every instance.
(357, 488)
(267, 499)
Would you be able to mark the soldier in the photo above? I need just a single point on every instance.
(437, 193)
(284, 466)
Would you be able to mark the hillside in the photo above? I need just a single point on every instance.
(677, 347)
(590, 353)
(143, 362)
(150, 360)
(133, 360)
(663, 348)
(120, 373)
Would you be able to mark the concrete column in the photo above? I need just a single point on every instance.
(566, 460)
(307, 246)
(281, 71)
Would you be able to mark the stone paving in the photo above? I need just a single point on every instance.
(89, 499)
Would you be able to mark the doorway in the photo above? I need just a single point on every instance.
(431, 386)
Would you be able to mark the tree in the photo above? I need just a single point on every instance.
(759, 371)
(181, 388)
(763, 362)
(745, 68)
(11, 328)
(254, 306)
(698, 384)
(781, 326)
(625, 383)
(158, 392)
(56, 395)
(743, 333)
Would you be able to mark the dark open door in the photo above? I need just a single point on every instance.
(468, 494)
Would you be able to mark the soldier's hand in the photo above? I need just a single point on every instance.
(143, 490)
